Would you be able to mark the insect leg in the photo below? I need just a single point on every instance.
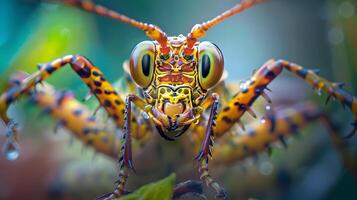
(255, 86)
(70, 114)
(77, 118)
(94, 79)
(90, 75)
(286, 122)
(125, 157)
(319, 83)
(206, 150)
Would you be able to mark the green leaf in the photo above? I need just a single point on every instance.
(158, 190)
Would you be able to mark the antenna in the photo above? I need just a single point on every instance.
(199, 30)
(152, 31)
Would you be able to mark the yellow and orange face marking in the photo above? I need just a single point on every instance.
(175, 69)
(173, 86)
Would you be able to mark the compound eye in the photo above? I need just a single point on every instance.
(210, 65)
(142, 63)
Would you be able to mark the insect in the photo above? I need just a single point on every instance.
(176, 76)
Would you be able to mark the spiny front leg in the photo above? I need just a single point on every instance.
(334, 90)
(70, 114)
(206, 150)
(90, 75)
(278, 126)
(94, 79)
(255, 86)
(125, 158)
(76, 118)
(244, 99)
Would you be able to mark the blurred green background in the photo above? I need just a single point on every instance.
(316, 34)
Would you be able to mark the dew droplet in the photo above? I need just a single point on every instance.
(267, 107)
(11, 150)
(145, 115)
(263, 120)
(244, 87)
(266, 168)
(319, 92)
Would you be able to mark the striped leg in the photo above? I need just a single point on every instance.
(206, 149)
(77, 118)
(90, 75)
(255, 86)
(197, 130)
(106, 95)
(125, 158)
(277, 128)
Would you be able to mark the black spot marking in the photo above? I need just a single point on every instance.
(107, 92)
(117, 102)
(302, 73)
(270, 75)
(95, 73)
(77, 112)
(97, 83)
(240, 106)
(107, 103)
(102, 78)
(227, 120)
(97, 91)
(50, 69)
(84, 72)
(226, 109)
